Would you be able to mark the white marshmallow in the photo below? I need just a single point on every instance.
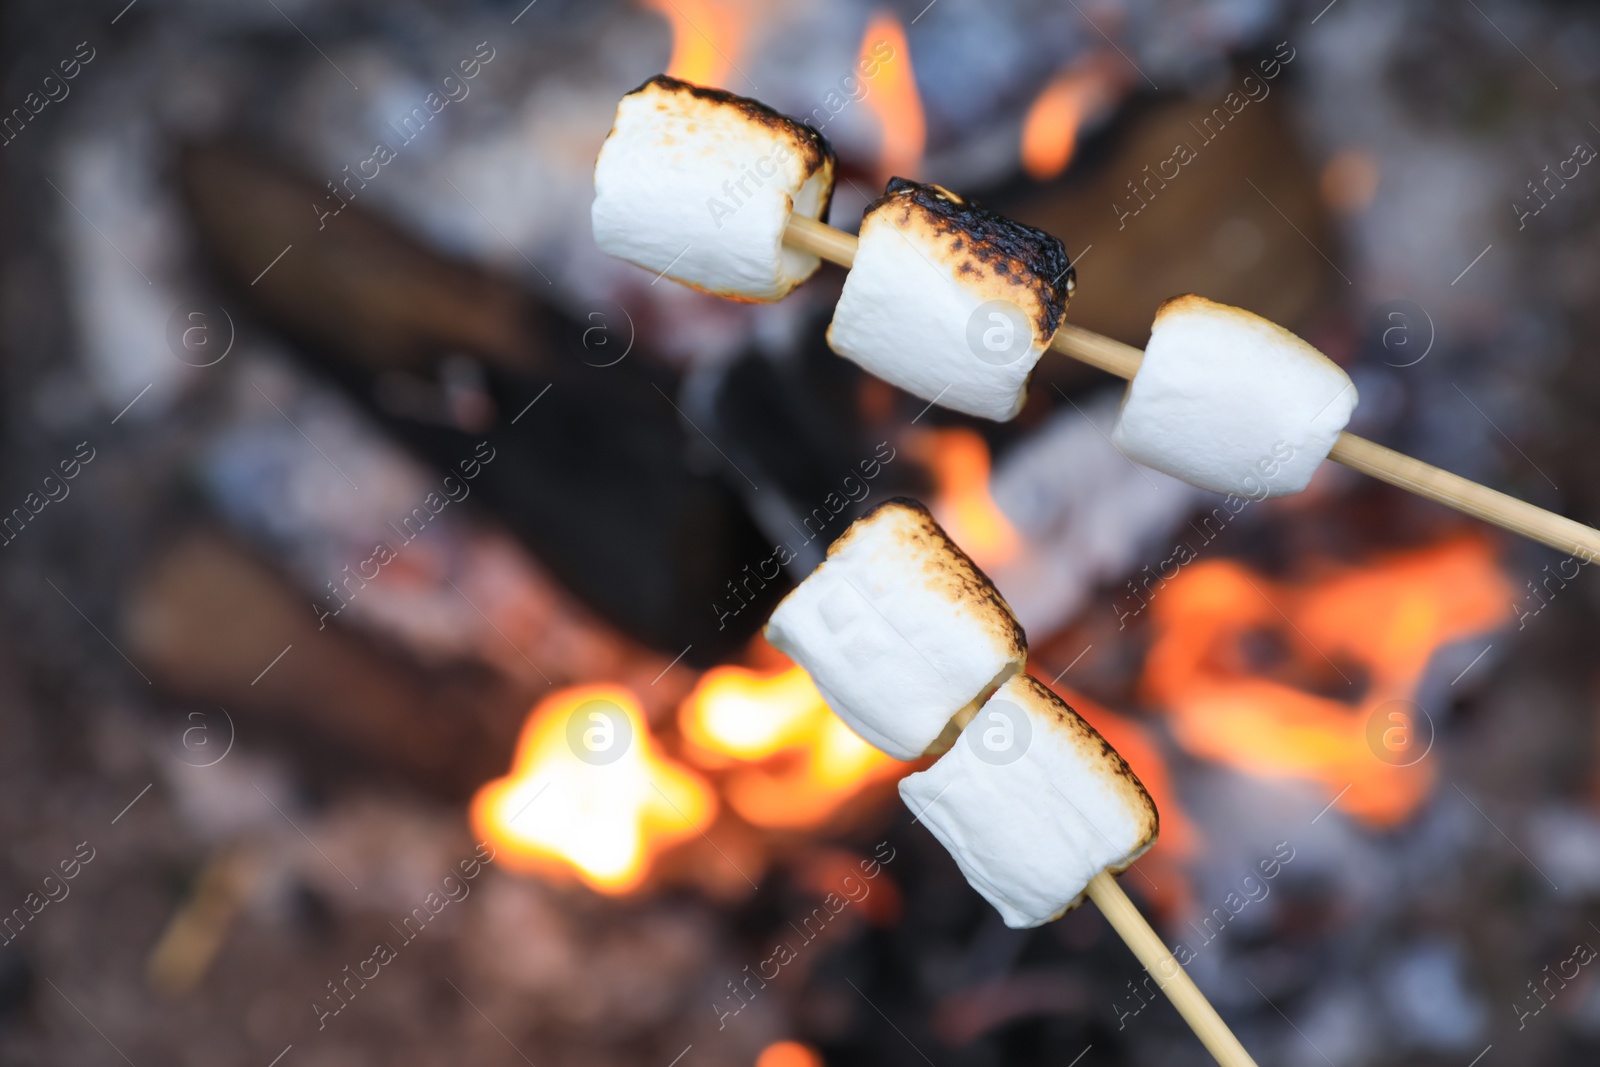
(1032, 803)
(1231, 402)
(950, 302)
(898, 629)
(698, 184)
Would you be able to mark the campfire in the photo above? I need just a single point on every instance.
(595, 792)
(592, 487)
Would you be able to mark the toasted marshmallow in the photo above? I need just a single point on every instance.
(899, 630)
(1230, 402)
(698, 184)
(1032, 803)
(949, 301)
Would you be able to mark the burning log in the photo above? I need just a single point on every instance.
(366, 305)
(805, 233)
(1114, 201)
(207, 615)
(383, 300)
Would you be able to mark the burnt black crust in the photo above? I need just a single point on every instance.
(818, 150)
(976, 585)
(1005, 245)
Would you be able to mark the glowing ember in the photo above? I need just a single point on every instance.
(706, 35)
(959, 461)
(1050, 130)
(590, 794)
(1350, 181)
(794, 763)
(1352, 725)
(789, 1054)
(894, 100)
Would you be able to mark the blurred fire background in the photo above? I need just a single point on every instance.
(341, 483)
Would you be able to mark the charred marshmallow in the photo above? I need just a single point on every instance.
(1231, 402)
(949, 301)
(899, 630)
(1032, 803)
(698, 184)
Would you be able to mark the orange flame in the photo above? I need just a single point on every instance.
(795, 764)
(1074, 97)
(603, 817)
(706, 35)
(789, 1054)
(1050, 130)
(1382, 621)
(893, 99)
(959, 460)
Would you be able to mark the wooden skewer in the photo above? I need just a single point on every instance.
(1169, 974)
(196, 931)
(1368, 457)
(839, 247)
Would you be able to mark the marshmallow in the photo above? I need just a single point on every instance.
(949, 301)
(698, 184)
(899, 630)
(1032, 803)
(1230, 402)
